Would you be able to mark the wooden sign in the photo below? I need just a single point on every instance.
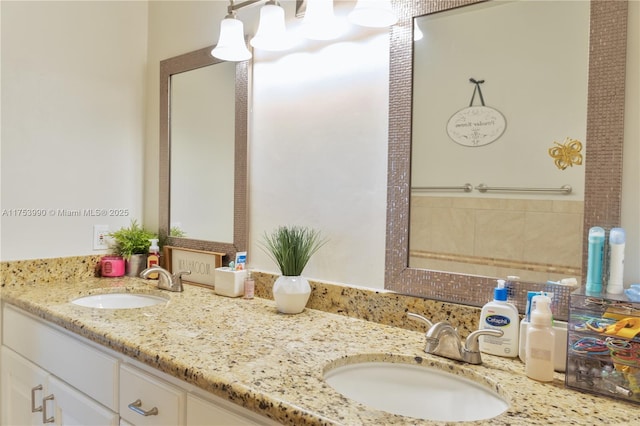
(202, 264)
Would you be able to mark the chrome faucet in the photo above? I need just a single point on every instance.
(443, 340)
(166, 280)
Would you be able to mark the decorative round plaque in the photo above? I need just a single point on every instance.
(476, 126)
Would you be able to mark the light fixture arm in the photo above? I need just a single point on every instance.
(237, 6)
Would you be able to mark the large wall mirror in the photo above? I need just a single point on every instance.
(203, 153)
(445, 239)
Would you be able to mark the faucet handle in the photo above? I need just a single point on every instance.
(472, 344)
(420, 318)
(176, 280)
(179, 274)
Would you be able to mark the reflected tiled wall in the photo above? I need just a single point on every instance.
(494, 236)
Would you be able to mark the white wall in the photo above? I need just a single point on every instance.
(323, 165)
(50, 154)
(318, 137)
(630, 168)
(73, 104)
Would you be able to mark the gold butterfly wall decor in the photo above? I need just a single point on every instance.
(566, 154)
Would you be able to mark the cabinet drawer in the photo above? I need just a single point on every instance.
(83, 367)
(141, 392)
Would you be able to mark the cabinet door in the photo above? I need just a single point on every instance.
(71, 407)
(203, 412)
(23, 387)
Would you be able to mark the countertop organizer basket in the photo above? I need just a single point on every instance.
(603, 353)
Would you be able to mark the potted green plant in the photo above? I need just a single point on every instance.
(132, 243)
(291, 248)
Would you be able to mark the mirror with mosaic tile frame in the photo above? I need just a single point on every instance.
(602, 163)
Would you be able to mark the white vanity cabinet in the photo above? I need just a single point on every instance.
(50, 374)
(70, 407)
(146, 400)
(203, 412)
(51, 377)
(24, 386)
(32, 396)
(152, 399)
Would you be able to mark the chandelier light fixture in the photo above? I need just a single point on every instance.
(319, 23)
(231, 45)
(272, 32)
(373, 13)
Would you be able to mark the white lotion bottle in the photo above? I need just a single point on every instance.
(617, 240)
(540, 345)
(500, 315)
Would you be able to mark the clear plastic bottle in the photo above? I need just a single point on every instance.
(249, 286)
(540, 346)
(500, 315)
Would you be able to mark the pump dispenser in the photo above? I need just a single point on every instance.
(540, 341)
(500, 315)
(154, 257)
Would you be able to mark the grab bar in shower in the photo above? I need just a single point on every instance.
(564, 189)
(467, 187)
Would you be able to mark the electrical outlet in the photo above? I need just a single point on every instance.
(100, 239)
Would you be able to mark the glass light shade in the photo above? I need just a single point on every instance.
(319, 22)
(231, 45)
(271, 34)
(373, 13)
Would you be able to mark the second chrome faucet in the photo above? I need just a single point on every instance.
(443, 340)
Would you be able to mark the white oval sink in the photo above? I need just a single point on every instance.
(414, 391)
(119, 300)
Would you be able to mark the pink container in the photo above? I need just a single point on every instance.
(112, 266)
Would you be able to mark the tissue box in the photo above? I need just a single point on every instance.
(229, 282)
(603, 351)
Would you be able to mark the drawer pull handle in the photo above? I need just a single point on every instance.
(44, 409)
(136, 406)
(35, 409)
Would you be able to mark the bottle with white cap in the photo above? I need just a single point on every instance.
(616, 260)
(154, 257)
(540, 345)
(499, 314)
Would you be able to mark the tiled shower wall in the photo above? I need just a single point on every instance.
(492, 236)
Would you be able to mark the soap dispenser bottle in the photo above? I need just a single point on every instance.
(500, 315)
(540, 341)
(154, 257)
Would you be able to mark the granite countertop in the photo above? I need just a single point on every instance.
(270, 363)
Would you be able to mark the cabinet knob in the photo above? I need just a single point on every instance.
(136, 406)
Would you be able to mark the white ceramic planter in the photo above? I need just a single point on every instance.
(291, 294)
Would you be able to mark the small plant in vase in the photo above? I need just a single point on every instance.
(291, 248)
(132, 244)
